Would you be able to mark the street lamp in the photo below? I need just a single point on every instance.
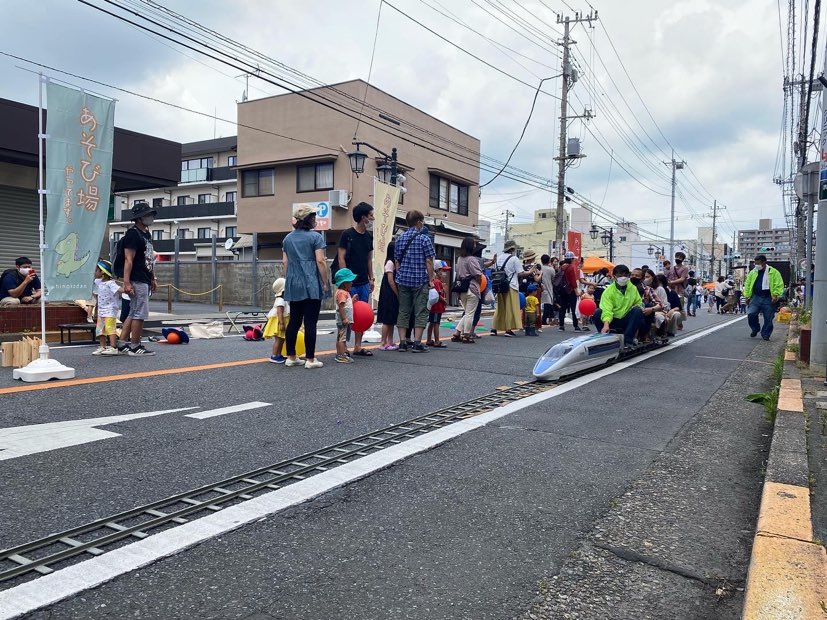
(652, 248)
(387, 171)
(606, 238)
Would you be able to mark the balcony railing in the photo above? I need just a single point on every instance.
(222, 173)
(180, 212)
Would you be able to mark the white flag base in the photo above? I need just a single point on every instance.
(371, 336)
(43, 369)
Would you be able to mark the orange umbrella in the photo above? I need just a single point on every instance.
(595, 263)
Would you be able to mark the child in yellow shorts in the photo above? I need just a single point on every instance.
(277, 321)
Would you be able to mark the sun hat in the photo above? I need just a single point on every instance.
(344, 275)
(530, 255)
(278, 286)
(105, 266)
(166, 331)
(142, 209)
(509, 245)
(303, 211)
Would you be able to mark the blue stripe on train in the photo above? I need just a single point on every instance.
(602, 348)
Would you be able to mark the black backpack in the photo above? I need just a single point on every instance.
(117, 264)
(560, 284)
(499, 279)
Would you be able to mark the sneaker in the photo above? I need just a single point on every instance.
(493, 332)
(765, 337)
(403, 346)
(539, 330)
(99, 350)
(109, 351)
(509, 334)
(752, 334)
(561, 328)
(418, 347)
(315, 364)
(342, 359)
(349, 355)
(123, 348)
(278, 359)
(296, 362)
(140, 351)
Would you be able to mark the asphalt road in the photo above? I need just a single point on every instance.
(467, 530)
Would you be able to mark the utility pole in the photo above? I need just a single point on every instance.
(569, 78)
(712, 257)
(507, 215)
(818, 340)
(676, 165)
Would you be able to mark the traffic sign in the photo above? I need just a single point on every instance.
(322, 209)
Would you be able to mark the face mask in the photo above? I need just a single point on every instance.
(24, 271)
(148, 219)
(678, 261)
(760, 267)
(622, 281)
(647, 281)
(634, 281)
(369, 225)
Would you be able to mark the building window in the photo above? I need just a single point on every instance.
(258, 183)
(314, 177)
(195, 164)
(182, 200)
(195, 169)
(232, 160)
(181, 233)
(449, 196)
(230, 231)
(204, 199)
(157, 203)
(230, 196)
(157, 235)
(117, 236)
(204, 233)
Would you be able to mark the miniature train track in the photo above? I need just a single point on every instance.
(47, 554)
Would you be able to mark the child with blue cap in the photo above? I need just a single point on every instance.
(344, 313)
(532, 302)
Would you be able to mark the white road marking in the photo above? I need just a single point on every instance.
(72, 580)
(225, 410)
(733, 359)
(17, 441)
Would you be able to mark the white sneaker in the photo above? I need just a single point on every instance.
(98, 351)
(313, 364)
(109, 351)
(295, 362)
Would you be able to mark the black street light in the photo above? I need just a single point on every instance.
(651, 250)
(607, 237)
(387, 171)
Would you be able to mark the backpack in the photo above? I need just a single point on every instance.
(500, 282)
(560, 284)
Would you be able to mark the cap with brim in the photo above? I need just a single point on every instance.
(510, 245)
(166, 331)
(106, 267)
(142, 209)
(303, 211)
(344, 275)
(441, 264)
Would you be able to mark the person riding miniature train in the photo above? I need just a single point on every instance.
(620, 307)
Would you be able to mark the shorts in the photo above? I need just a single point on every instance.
(106, 326)
(342, 333)
(139, 302)
(362, 290)
(434, 317)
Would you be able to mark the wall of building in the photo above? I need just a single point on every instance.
(300, 117)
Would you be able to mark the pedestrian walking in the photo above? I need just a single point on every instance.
(356, 253)
(763, 286)
(306, 279)
(468, 267)
(388, 308)
(414, 257)
(566, 282)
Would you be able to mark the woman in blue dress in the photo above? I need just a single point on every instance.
(305, 272)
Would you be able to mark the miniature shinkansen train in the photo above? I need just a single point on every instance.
(583, 353)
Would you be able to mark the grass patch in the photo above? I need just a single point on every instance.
(793, 347)
(770, 398)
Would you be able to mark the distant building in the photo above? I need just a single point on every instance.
(484, 231)
(540, 234)
(201, 205)
(776, 243)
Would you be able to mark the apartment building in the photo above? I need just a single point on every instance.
(201, 205)
(292, 149)
(774, 242)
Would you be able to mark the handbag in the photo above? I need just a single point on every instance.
(461, 285)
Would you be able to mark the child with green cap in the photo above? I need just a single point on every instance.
(109, 301)
(344, 313)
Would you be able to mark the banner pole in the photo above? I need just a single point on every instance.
(44, 348)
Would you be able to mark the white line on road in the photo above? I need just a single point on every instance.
(72, 580)
(733, 359)
(225, 410)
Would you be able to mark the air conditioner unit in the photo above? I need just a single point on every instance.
(338, 198)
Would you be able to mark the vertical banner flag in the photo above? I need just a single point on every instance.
(574, 243)
(385, 197)
(81, 130)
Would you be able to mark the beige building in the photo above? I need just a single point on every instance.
(774, 242)
(540, 234)
(310, 164)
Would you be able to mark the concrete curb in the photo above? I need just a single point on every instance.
(788, 570)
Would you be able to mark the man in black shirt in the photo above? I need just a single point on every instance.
(20, 285)
(356, 253)
(138, 276)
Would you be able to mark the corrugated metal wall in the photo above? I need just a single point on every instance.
(19, 228)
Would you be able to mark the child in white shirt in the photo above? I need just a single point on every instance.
(109, 305)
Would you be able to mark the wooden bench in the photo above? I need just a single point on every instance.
(78, 327)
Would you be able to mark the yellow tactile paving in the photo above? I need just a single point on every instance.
(785, 511)
(787, 580)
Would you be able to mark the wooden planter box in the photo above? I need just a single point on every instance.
(20, 319)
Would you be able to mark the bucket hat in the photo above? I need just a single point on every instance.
(510, 245)
(278, 286)
(105, 266)
(530, 255)
(344, 275)
(142, 209)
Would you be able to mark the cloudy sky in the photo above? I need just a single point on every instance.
(708, 72)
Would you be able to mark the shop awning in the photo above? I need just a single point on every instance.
(595, 263)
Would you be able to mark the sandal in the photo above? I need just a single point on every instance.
(437, 345)
(456, 338)
(363, 353)
(468, 340)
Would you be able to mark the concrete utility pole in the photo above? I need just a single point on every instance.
(505, 232)
(818, 338)
(676, 165)
(569, 78)
(715, 208)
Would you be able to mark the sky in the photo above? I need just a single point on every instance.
(702, 78)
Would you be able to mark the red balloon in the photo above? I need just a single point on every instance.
(173, 338)
(362, 316)
(587, 307)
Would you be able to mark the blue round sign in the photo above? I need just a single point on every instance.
(323, 210)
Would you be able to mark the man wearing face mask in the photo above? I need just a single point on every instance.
(135, 257)
(356, 253)
(762, 289)
(620, 307)
(20, 285)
